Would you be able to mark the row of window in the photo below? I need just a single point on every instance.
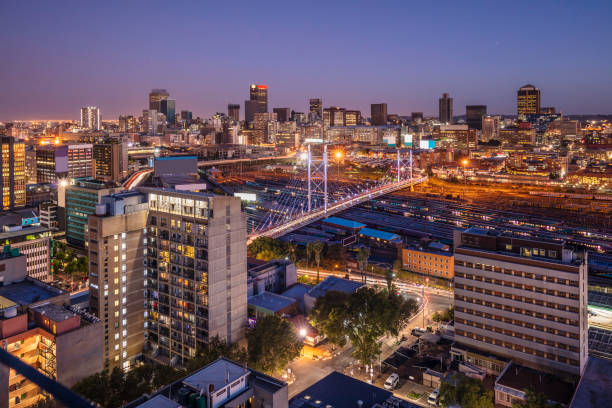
(515, 285)
(512, 333)
(513, 272)
(517, 310)
(518, 348)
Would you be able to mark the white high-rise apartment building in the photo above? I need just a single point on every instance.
(90, 117)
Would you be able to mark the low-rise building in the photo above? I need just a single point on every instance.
(272, 276)
(331, 283)
(38, 326)
(222, 383)
(35, 243)
(434, 260)
(267, 303)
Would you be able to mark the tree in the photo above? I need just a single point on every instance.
(389, 276)
(272, 344)
(318, 247)
(292, 250)
(213, 350)
(363, 317)
(467, 392)
(309, 252)
(327, 316)
(267, 248)
(116, 388)
(362, 259)
(534, 400)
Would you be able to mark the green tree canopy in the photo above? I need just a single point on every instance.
(363, 317)
(272, 344)
(215, 349)
(267, 248)
(467, 392)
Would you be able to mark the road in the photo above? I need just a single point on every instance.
(308, 371)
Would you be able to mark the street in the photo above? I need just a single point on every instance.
(308, 371)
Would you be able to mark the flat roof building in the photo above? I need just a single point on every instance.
(521, 298)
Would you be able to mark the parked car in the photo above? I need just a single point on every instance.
(392, 382)
(434, 397)
(418, 332)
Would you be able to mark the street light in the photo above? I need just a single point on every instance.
(302, 332)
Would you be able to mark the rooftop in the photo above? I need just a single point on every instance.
(270, 301)
(594, 387)
(54, 312)
(159, 401)
(520, 379)
(344, 222)
(339, 391)
(219, 373)
(28, 291)
(334, 283)
(387, 236)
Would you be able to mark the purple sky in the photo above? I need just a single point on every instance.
(60, 55)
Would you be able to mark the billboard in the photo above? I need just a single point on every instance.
(427, 144)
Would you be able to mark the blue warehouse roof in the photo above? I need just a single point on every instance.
(372, 233)
(336, 284)
(343, 222)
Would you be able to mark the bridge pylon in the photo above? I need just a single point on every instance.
(317, 176)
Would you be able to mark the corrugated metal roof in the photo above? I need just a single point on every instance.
(387, 236)
(344, 222)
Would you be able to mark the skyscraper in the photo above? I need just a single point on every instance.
(195, 269)
(115, 237)
(333, 116)
(233, 112)
(282, 114)
(379, 114)
(417, 117)
(90, 118)
(528, 100)
(259, 93)
(168, 108)
(316, 107)
(474, 114)
(263, 128)
(352, 118)
(111, 160)
(490, 128)
(446, 109)
(63, 161)
(13, 174)
(155, 98)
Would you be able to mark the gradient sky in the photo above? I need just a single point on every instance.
(57, 56)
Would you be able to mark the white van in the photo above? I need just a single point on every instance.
(434, 397)
(391, 382)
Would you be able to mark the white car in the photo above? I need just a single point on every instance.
(391, 382)
(434, 397)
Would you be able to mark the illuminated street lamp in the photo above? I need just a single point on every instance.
(302, 332)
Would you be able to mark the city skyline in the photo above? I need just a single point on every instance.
(426, 51)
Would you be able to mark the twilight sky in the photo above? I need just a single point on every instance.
(57, 56)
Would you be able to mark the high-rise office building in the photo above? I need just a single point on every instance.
(263, 128)
(445, 109)
(115, 237)
(196, 272)
(528, 100)
(150, 121)
(128, 124)
(316, 107)
(282, 114)
(522, 299)
(55, 162)
(13, 174)
(490, 128)
(352, 118)
(378, 114)
(155, 98)
(111, 160)
(259, 93)
(81, 200)
(333, 116)
(233, 112)
(416, 117)
(250, 109)
(186, 116)
(90, 118)
(474, 114)
(168, 108)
